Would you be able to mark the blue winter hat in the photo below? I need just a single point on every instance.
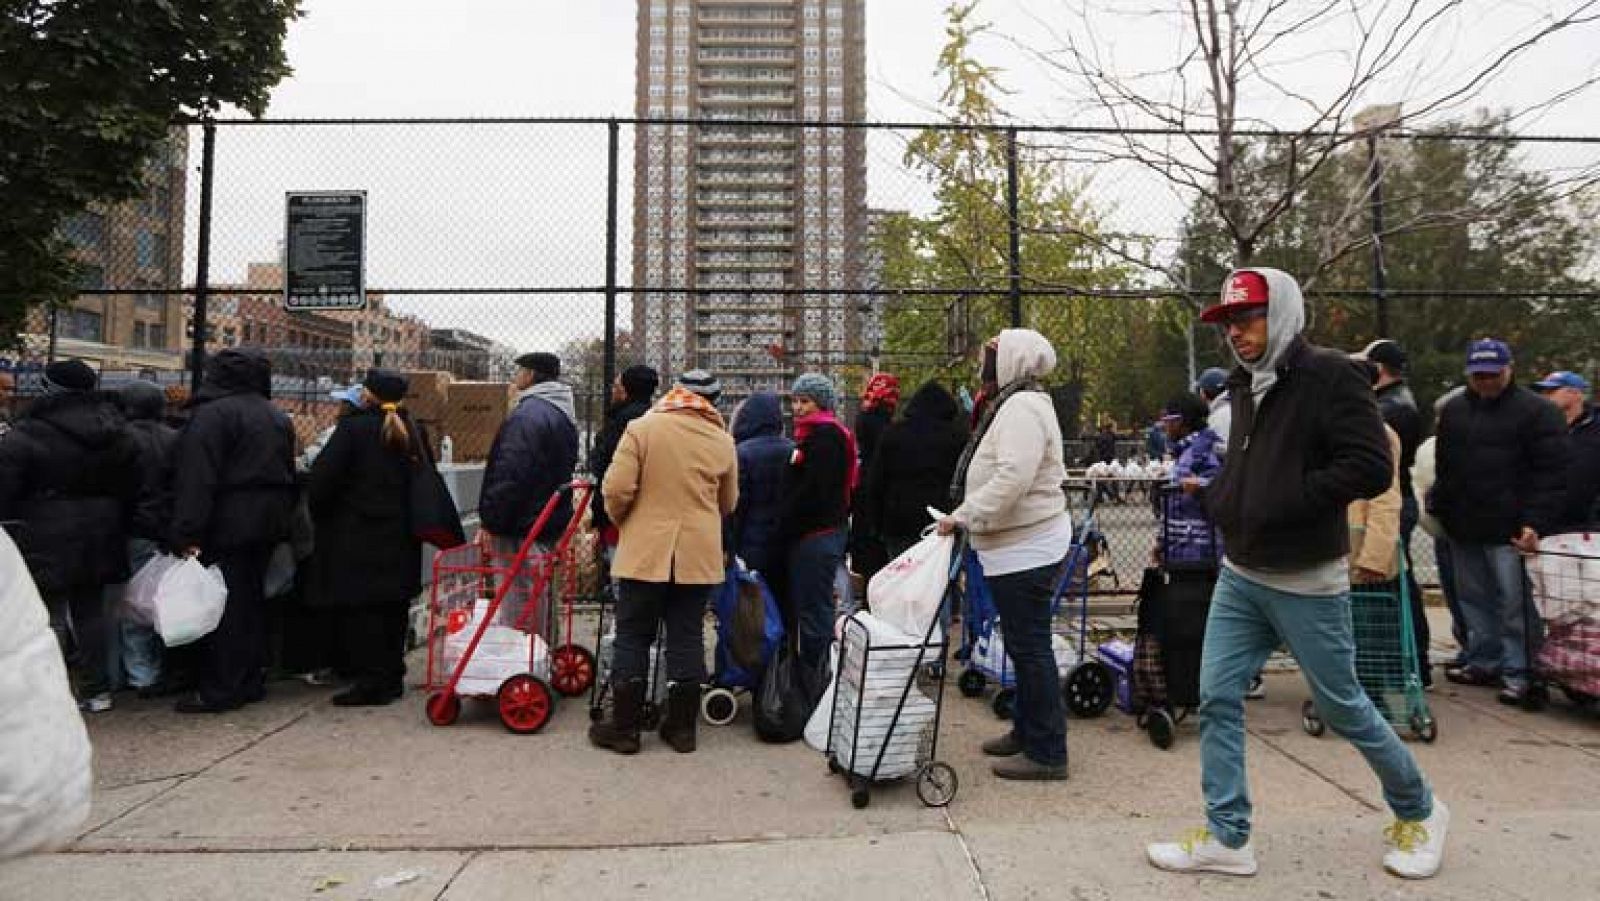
(816, 386)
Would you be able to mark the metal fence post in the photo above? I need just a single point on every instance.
(610, 366)
(1014, 230)
(202, 268)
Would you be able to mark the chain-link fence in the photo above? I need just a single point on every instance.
(762, 249)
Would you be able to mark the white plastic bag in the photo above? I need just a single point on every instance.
(907, 593)
(188, 602)
(139, 599)
(817, 726)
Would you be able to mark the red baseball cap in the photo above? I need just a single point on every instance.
(1246, 290)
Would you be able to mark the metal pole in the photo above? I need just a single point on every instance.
(202, 269)
(1013, 229)
(610, 365)
(1380, 279)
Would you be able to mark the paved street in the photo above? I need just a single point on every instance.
(294, 798)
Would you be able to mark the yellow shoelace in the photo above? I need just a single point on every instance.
(1407, 835)
(1192, 839)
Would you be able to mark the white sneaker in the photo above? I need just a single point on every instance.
(1257, 689)
(99, 703)
(1417, 849)
(1199, 852)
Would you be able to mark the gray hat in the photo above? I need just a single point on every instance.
(702, 383)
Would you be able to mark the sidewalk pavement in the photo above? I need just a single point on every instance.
(294, 798)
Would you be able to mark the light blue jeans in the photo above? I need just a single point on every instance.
(1247, 622)
(1491, 588)
(134, 651)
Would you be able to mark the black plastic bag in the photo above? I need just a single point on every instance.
(787, 696)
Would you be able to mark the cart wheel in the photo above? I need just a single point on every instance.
(937, 784)
(1087, 690)
(971, 683)
(1536, 698)
(1311, 721)
(719, 707)
(860, 795)
(649, 716)
(525, 703)
(571, 670)
(443, 707)
(1424, 727)
(1005, 703)
(1161, 728)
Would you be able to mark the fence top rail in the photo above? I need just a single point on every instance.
(1028, 290)
(999, 128)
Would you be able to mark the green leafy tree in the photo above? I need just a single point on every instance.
(88, 90)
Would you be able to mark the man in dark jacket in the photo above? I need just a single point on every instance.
(1399, 410)
(1570, 393)
(144, 404)
(1501, 464)
(233, 495)
(764, 453)
(912, 469)
(68, 480)
(630, 399)
(533, 456)
(1306, 441)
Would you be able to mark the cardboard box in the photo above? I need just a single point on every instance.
(472, 417)
(426, 395)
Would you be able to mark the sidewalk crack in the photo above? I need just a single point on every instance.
(461, 868)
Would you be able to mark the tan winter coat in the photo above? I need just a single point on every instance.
(1375, 524)
(1014, 480)
(673, 479)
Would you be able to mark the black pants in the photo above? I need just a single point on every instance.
(233, 658)
(682, 608)
(372, 644)
(78, 617)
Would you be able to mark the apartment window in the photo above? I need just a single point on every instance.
(80, 325)
(140, 336)
(157, 203)
(658, 52)
(811, 11)
(658, 31)
(658, 10)
(86, 230)
(812, 34)
(658, 90)
(157, 335)
(835, 34)
(680, 71)
(149, 249)
(150, 302)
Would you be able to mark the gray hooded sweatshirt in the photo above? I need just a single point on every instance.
(1286, 318)
(558, 394)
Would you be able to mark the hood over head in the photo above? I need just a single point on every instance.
(933, 402)
(236, 371)
(1023, 353)
(760, 414)
(1286, 319)
(557, 393)
(89, 417)
(143, 400)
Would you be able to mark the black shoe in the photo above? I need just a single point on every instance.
(1512, 696)
(161, 689)
(1004, 746)
(197, 704)
(1469, 675)
(1025, 769)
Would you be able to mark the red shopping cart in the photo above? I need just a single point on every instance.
(492, 625)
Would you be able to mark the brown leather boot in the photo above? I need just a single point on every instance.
(621, 732)
(683, 712)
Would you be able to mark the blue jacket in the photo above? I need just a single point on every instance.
(1188, 535)
(533, 455)
(763, 463)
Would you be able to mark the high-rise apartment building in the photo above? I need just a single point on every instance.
(737, 217)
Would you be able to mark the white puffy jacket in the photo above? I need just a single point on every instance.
(45, 772)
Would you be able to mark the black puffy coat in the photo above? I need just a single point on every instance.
(70, 477)
(1583, 474)
(754, 529)
(156, 443)
(1295, 465)
(1399, 409)
(360, 504)
(534, 454)
(605, 447)
(234, 485)
(1501, 465)
(913, 466)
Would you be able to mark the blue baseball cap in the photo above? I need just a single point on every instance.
(1212, 381)
(1487, 355)
(350, 395)
(1563, 379)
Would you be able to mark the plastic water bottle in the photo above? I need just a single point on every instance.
(447, 452)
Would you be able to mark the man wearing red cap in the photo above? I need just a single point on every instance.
(1306, 441)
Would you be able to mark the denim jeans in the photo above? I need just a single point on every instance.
(813, 565)
(135, 649)
(1039, 720)
(1247, 622)
(1409, 514)
(1447, 586)
(682, 609)
(1492, 590)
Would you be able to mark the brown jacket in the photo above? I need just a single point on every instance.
(673, 479)
(1375, 524)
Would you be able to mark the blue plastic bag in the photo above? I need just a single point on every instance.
(749, 629)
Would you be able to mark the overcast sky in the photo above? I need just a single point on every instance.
(517, 206)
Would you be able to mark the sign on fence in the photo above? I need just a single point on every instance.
(325, 250)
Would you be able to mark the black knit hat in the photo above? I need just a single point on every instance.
(543, 365)
(386, 385)
(70, 375)
(640, 381)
